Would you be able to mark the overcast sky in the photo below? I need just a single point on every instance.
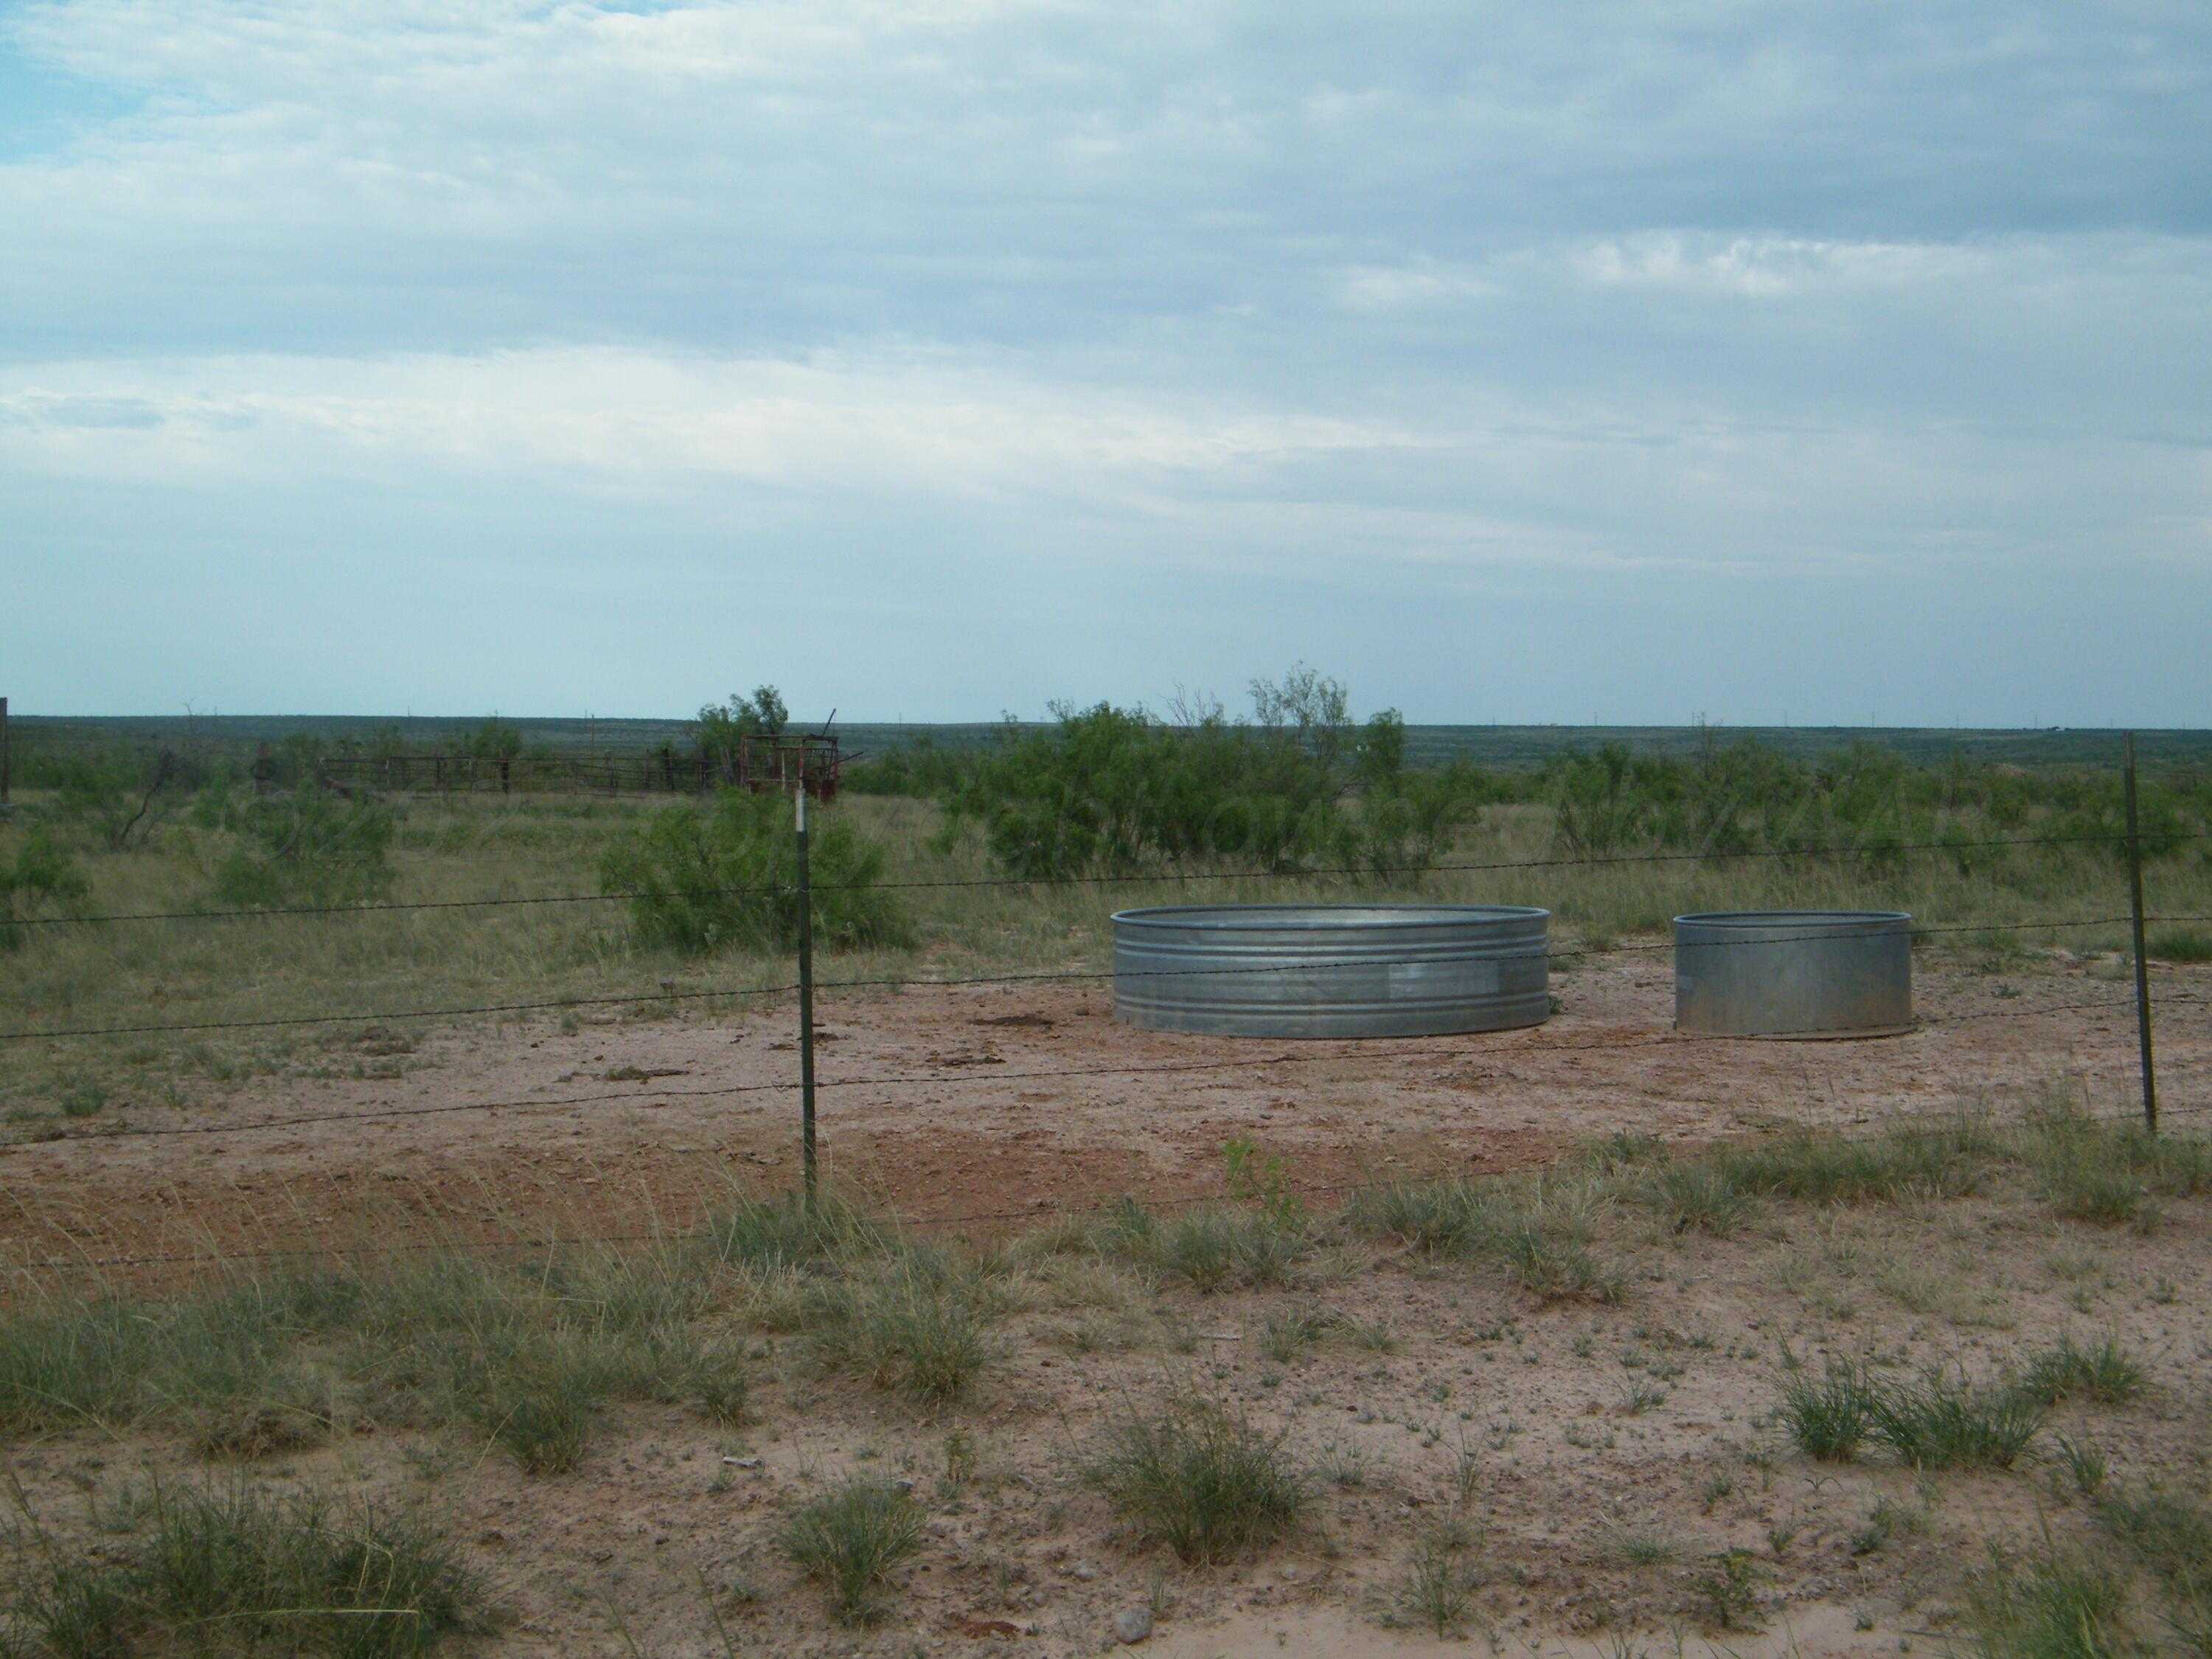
(1512, 361)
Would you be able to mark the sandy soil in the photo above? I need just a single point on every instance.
(1003, 1104)
(1582, 1429)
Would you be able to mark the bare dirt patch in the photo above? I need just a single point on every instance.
(983, 1107)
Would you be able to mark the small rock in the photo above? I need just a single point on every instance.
(1084, 1570)
(743, 1462)
(1132, 1625)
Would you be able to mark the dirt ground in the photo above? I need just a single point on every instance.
(1608, 1461)
(997, 1105)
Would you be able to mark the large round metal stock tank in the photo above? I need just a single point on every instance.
(1794, 973)
(1331, 971)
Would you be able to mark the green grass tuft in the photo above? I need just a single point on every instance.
(851, 1539)
(1943, 1423)
(2063, 1607)
(1197, 1477)
(2105, 1373)
(1831, 1419)
(234, 1570)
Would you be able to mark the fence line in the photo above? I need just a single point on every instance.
(1533, 1049)
(1932, 1121)
(1054, 976)
(1163, 877)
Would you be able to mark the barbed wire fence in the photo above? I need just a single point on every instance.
(804, 988)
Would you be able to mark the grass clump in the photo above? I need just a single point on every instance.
(2105, 1373)
(769, 1234)
(234, 1570)
(1197, 1477)
(851, 1539)
(2063, 1607)
(1945, 1423)
(2181, 945)
(1541, 1235)
(1698, 1197)
(1440, 1586)
(918, 1328)
(1940, 1422)
(1831, 1419)
(1945, 1160)
(1212, 1248)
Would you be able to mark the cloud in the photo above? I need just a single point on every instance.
(1244, 294)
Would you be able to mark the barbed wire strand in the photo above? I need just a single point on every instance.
(1533, 1049)
(1163, 877)
(1889, 1123)
(908, 982)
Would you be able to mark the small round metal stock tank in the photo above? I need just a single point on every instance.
(1329, 970)
(1804, 973)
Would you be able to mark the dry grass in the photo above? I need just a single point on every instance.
(770, 1314)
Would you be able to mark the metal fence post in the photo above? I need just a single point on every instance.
(2143, 962)
(5, 806)
(805, 1010)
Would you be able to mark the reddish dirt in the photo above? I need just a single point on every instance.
(987, 1107)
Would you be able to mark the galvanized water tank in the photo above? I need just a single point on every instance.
(1794, 973)
(1330, 970)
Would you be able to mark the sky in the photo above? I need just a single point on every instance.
(936, 359)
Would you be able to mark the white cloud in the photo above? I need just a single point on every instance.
(923, 423)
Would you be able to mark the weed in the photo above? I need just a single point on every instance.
(1730, 1589)
(719, 1384)
(1197, 1477)
(789, 1231)
(851, 1539)
(1440, 1589)
(1289, 1333)
(2085, 1463)
(2181, 945)
(1645, 1549)
(539, 1404)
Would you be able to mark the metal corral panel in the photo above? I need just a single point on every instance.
(1794, 973)
(1326, 970)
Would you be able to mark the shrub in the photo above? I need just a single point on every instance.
(851, 1539)
(1199, 1479)
(263, 1573)
(307, 848)
(1109, 789)
(723, 877)
(38, 873)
